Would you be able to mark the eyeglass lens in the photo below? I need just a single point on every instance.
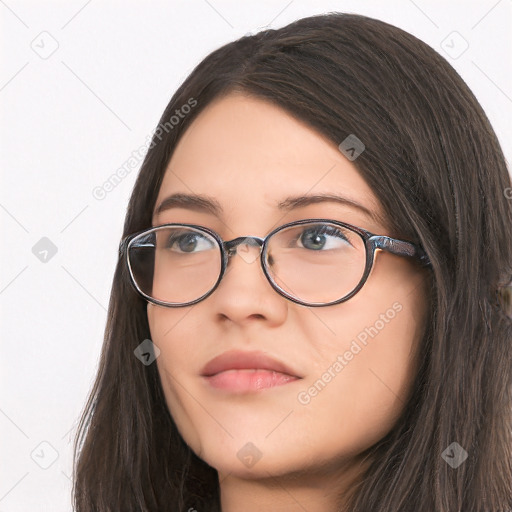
(313, 262)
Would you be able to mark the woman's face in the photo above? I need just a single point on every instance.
(354, 362)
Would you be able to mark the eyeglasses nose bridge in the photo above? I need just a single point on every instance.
(232, 245)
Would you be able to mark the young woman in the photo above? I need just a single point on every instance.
(306, 310)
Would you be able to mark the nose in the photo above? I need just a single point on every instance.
(244, 292)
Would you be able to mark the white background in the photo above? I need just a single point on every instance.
(69, 120)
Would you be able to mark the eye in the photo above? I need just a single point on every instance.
(188, 242)
(323, 237)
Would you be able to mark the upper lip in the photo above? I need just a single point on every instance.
(239, 360)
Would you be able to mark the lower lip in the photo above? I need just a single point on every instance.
(249, 380)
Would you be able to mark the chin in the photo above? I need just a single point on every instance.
(256, 460)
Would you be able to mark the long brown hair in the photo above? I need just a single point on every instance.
(436, 165)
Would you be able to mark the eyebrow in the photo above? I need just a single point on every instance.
(206, 204)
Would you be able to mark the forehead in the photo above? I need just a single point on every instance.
(249, 154)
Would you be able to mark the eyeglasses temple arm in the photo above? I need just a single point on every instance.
(401, 248)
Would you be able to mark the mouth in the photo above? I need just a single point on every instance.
(238, 371)
(249, 380)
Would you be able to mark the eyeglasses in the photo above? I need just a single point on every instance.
(313, 262)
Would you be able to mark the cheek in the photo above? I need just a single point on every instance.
(177, 353)
(172, 331)
(362, 390)
(369, 363)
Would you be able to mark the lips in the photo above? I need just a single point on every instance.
(240, 360)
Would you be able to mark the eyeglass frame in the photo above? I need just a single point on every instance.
(372, 242)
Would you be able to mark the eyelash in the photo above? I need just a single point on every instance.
(319, 230)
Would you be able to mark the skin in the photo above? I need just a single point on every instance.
(248, 155)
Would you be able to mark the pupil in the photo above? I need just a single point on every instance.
(188, 242)
(315, 238)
